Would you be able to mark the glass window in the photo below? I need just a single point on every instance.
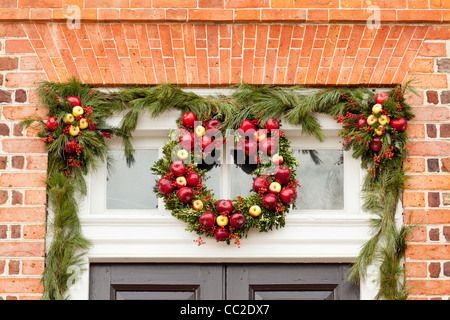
(131, 187)
(241, 179)
(213, 174)
(321, 176)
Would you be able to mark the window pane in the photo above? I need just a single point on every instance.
(213, 174)
(321, 176)
(241, 180)
(132, 187)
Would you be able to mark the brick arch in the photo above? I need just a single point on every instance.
(113, 54)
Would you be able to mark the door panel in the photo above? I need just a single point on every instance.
(289, 281)
(156, 281)
(221, 282)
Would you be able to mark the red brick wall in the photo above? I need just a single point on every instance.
(282, 42)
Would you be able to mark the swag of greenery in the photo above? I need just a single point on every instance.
(378, 142)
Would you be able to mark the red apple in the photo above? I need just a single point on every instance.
(213, 126)
(221, 234)
(206, 141)
(92, 126)
(185, 194)
(224, 206)
(250, 147)
(207, 220)
(187, 141)
(70, 146)
(361, 122)
(188, 119)
(288, 196)
(381, 97)
(282, 174)
(247, 125)
(399, 124)
(74, 101)
(237, 220)
(193, 179)
(178, 168)
(268, 146)
(52, 124)
(272, 124)
(376, 144)
(165, 185)
(260, 183)
(270, 201)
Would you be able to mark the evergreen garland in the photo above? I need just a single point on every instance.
(381, 190)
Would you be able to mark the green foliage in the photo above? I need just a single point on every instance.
(381, 190)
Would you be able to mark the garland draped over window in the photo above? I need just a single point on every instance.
(373, 129)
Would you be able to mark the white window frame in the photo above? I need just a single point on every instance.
(156, 236)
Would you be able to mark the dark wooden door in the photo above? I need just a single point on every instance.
(220, 282)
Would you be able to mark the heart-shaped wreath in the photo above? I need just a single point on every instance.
(186, 196)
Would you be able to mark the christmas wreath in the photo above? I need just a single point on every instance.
(185, 195)
(75, 136)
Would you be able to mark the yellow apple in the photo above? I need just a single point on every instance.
(200, 131)
(74, 130)
(371, 120)
(377, 108)
(384, 119)
(69, 118)
(77, 111)
(180, 182)
(83, 123)
(277, 159)
(275, 187)
(197, 205)
(254, 211)
(222, 220)
(379, 130)
(182, 154)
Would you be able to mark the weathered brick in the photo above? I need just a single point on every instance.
(433, 165)
(446, 270)
(16, 231)
(429, 148)
(414, 199)
(434, 199)
(8, 63)
(23, 146)
(5, 96)
(432, 97)
(3, 197)
(431, 131)
(16, 197)
(435, 269)
(443, 65)
(3, 161)
(4, 129)
(446, 232)
(20, 96)
(433, 234)
(22, 180)
(17, 162)
(445, 97)
(430, 182)
(445, 130)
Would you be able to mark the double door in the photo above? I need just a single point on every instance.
(233, 281)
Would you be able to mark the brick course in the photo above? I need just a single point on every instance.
(280, 42)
